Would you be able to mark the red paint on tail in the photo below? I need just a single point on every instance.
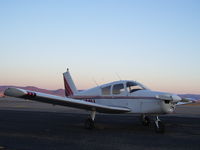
(68, 90)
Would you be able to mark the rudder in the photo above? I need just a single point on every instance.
(70, 88)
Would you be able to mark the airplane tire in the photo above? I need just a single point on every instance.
(160, 128)
(146, 121)
(89, 124)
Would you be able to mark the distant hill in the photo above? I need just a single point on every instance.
(194, 96)
(61, 92)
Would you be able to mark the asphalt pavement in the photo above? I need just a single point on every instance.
(27, 125)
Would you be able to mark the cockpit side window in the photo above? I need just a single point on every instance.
(133, 87)
(118, 89)
(106, 90)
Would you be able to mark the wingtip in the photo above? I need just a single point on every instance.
(14, 92)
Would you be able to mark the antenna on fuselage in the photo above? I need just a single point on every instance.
(95, 82)
(118, 76)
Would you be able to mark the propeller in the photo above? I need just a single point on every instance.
(174, 98)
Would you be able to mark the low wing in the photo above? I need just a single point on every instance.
(64, 101)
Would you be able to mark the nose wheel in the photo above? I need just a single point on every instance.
(159, 126)
(89, 124)
(145, 120)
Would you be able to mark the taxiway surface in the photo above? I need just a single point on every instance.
(27, 125)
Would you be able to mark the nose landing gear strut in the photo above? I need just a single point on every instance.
(159, 126)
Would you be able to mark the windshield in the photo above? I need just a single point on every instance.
(134, 86)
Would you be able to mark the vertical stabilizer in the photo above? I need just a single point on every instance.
(70, 88)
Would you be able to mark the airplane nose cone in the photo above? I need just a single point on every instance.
(176, 98)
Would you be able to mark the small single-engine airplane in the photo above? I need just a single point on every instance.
(116, 97)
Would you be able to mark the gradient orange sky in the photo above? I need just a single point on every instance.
(153, 42)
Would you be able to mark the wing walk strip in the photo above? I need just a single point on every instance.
(64, 101)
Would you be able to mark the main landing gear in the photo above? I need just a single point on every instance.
(158, 125)
(89, 123)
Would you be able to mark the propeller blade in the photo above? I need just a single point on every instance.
(172, 98)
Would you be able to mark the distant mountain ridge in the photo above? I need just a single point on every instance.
(61, 92)
(194, 96)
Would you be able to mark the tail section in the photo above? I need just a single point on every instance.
(70, 88)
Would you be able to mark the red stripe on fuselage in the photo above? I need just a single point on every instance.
(113, 97)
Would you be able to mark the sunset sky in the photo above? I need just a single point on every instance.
(155, 42)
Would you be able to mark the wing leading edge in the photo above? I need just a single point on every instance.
(63, 101)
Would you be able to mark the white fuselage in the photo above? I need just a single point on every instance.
(139, 102)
